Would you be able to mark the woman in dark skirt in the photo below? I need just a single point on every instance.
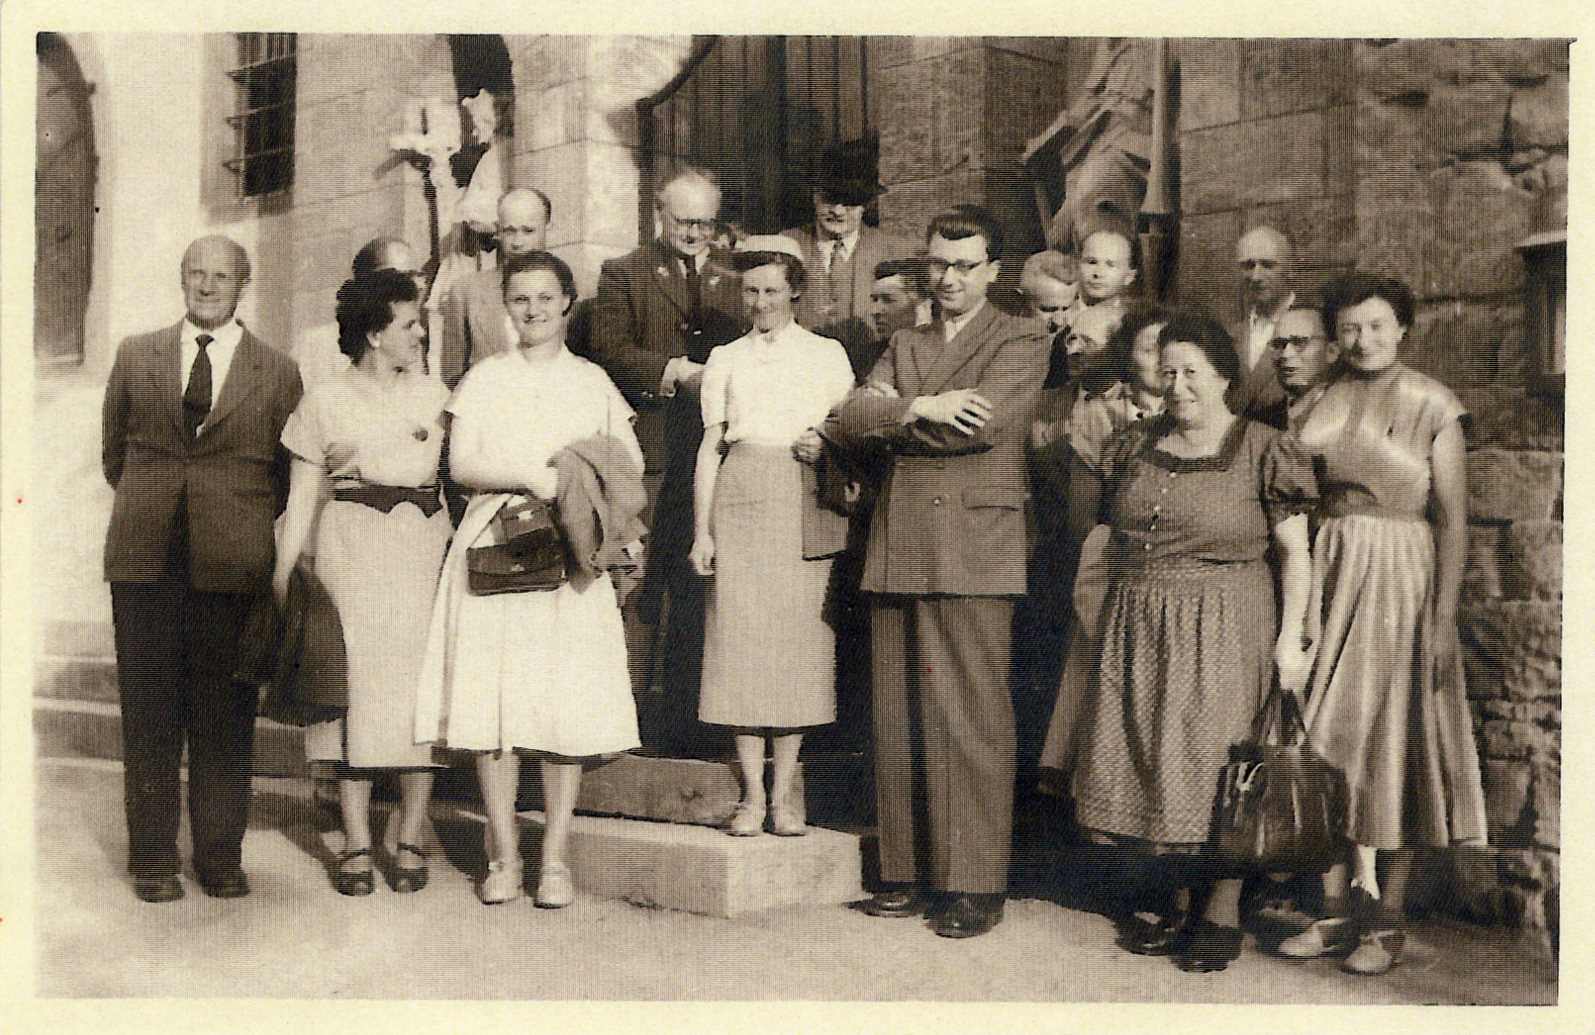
(769, 661)
(1191, 635)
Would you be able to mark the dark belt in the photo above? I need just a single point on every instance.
(386, 497)
(1344, 499)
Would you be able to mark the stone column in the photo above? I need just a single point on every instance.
(576, 135)
(954, 115)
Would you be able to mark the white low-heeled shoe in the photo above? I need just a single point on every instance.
(502, 883)
(555, 888)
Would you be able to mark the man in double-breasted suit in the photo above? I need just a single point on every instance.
(945, 563)
(475, 322)
(658, 312)
(840, 253)
(192, 420)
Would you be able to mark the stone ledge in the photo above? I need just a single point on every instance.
(697, 870)
(93, 729)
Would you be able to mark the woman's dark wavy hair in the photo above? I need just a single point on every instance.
(1116, 362)
(796, 275)
(1206, 333)
(1356, 288)
(547, 262)
(365, 307)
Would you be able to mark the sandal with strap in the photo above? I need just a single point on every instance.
(1376, 952)
(406, 879)
(1327, 936)
(352, 882)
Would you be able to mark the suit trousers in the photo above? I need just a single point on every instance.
(176, 651)
(944, 740)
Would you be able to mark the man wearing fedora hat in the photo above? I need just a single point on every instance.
(840, 253)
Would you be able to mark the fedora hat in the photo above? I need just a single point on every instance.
(847, 173)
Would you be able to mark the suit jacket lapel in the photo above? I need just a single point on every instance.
(169, 376)
(669, 279)
(961, 349)
(240, 381)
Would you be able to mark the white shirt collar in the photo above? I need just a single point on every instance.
(224, 343)
(1257, 316)
(227, 335)
(848, 241)
(952, 326)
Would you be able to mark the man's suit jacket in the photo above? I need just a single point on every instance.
(474, 321)
(1259, 391)
(233, 476)
(950, 518)
(847, 318)
(640, 321)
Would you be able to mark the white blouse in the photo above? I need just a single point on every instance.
(770, 388)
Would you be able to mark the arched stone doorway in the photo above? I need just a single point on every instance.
(64, 179)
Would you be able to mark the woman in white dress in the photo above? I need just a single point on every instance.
(537, 672)
(372, 429)
(769, 664)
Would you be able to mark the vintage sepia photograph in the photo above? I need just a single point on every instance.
(707, 518)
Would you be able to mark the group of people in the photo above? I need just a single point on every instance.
(840, 445)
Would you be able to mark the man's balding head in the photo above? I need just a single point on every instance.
(1265, 259)
(523, 217)
(688, 203)
(213, 274)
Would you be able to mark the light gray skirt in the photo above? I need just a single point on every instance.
(769, 659)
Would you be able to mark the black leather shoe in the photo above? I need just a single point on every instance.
(225, 885)
(158, 889)
(969, 915)
(1211, 948)
(899, 902)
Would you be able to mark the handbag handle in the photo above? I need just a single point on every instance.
(1292, 728)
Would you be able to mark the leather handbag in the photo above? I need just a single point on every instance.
(1281, 806)
(310, 683)
(526, 551)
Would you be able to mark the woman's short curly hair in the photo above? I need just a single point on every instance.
(365, 307)
(1116, 362)
(1206, 333)
(1356, 288)
(796, 275)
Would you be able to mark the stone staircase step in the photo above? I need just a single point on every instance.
(83, 677)
(93, 729)
(699, 870)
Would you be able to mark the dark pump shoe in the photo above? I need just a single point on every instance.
(968, 916)
(158, 889)
(899, 902)
(225, 885)
(1212, 948)
(1168, 936)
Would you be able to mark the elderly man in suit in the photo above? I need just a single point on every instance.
(1265, 259)
(658, 312)
(840, 253)
(475, 323)
(945, 563)
(192, 419)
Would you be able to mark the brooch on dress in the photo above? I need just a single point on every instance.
(419, 434)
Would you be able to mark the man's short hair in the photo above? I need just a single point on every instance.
(915, 276)
(686, 173)
(961, 221)
(1051, 265)
(548, 206)
(1132, 240)
(240, 256)
(374, 255)
(1284, 235)
(548, 262)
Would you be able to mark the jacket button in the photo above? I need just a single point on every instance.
(683, 326)
(937, 501)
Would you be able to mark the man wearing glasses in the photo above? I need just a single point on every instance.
(950, 402)
(1303, 357)
(659, 311)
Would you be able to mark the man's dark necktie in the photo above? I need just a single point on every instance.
(694, 286)
(196, 397)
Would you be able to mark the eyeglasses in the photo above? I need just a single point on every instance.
(706, 226)
(939, 267)
(1281, 344)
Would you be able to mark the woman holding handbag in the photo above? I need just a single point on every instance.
(368, 435)
(1388, 703)
(539, 670)
(1191, 637)
(769, 662)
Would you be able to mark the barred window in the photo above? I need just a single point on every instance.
(263, 119)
